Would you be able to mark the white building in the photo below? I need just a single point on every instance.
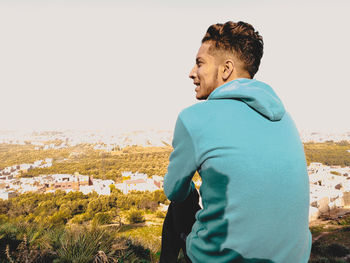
(326, 188)
(139, 185)
(5, 195)
(101, 187)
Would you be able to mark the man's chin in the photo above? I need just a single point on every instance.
(201, 98)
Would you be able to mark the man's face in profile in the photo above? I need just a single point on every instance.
(205, 72)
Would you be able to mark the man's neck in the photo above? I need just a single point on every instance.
(244, 75)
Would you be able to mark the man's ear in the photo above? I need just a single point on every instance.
(228, 68)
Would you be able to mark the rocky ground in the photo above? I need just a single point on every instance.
(331, 237)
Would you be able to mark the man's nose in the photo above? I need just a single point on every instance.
(192, 73)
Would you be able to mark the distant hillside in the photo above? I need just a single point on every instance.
(88, 161)
(328, 153)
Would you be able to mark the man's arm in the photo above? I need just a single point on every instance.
(182, 166)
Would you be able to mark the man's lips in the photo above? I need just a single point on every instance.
(197, 86)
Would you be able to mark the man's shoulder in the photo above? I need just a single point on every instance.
(196, 116)
(194, 109)
(193, 113)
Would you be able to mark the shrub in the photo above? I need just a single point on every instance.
(345, 221)
(78, 219)
(318, 248)
(332, 250)
(3, 219)
(160, 214)
(345, 229)
(8, 237)
(316, 229)
(320, 260)
(29, 254)
(138, 253)
(337, 250)
(83, 244)
(58, 218)
(102, 218)
(135, 216)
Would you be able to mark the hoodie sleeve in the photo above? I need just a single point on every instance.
(182, 165)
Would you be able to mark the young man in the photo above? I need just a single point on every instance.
(247, 150)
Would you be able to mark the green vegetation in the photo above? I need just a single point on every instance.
(151, 160)
(73, 227)
(147, 237)
(329, 153)
(108, 165)
(60, 208)
(160, 214)
(45, 227)
(332, 241)
(81, 244)
(135, 216)
(17, 154)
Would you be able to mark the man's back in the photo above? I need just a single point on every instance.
(255, 189)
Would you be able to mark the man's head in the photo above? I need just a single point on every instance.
(228, 51)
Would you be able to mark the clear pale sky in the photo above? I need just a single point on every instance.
(125, 64)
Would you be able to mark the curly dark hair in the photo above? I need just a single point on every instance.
(239, 38)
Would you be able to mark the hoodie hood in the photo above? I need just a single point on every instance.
(258, 95)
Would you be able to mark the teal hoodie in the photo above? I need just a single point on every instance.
(255, 186)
